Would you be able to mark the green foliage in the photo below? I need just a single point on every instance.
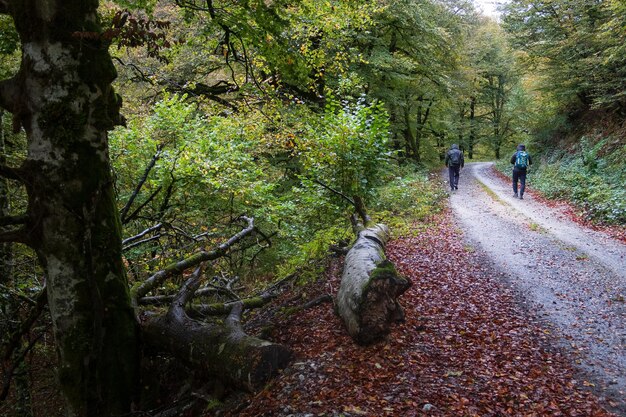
(407, 196)
(577, 44)
(575, 53)
(309, 258)
(143, 5)
(243, 136)
(593, 183)
(9, 40)
(346, 149)
(9, 48)
(221, 167)
(591, 178)
(207, 174)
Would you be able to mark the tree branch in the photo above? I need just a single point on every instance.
(140, 184)
(11, 173)
(339, 193)
(166, 299)
(135, 213)
(9, 91)
(10, 373)
(143, 76)
(177, 308)
(195, 259)
(16, 236)
(166, 199)
(225, 308)
(233, 321)
(141, 242)
(207, 91)
(12, 343)
(142, 234)
(359, 207)
(13, 220)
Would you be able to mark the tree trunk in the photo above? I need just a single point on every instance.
(62, 96)
(472, 132)
(220, 350)
(367, 298)
(409, 139)
(6, 249)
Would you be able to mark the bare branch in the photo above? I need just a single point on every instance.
(9, 90)
(140, 184)
(168, 195)
(13, 220)
(211, 92)
(141, 242)
(18, 294)
(190, 5)
(11, 173)
(325, 298)
(40, 302)
(233, 321)
(280, 283)
(135, 213)
(143, 76)
(16, 236)
(359, 207)
(166, 299)
(186, 293)
(10, 373)
(225, 308)
(339, 193)
(195, 259)
(142, 234)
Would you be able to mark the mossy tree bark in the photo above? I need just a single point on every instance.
(221, 350)
(370, 286)
(6, 252)
(62, 97)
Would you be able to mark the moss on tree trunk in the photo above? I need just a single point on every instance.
(370, 286)
(66, 104)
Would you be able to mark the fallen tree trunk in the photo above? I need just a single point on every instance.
(220, 350)
(367, 297)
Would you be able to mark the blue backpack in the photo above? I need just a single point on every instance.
(521, 161)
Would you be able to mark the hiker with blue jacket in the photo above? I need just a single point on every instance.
(520, 160)
(454, 162)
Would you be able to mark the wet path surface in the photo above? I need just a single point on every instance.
(571, 277)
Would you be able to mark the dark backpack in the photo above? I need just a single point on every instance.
(455, 157)
(521, 160)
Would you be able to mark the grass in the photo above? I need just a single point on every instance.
(491, 193)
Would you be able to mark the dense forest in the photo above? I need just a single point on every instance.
(168, 166)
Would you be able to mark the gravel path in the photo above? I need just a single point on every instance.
(571, 277)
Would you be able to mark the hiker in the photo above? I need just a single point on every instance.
(454, 162)
(520, 160)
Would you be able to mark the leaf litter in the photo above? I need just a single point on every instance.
(465, 349)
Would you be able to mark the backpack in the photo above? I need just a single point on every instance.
(455, 157)
(521, 160)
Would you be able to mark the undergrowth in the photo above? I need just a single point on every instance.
(408, 198)
(592, 178)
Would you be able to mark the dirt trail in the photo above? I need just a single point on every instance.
(571, 277)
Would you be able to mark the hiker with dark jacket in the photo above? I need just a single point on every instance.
(520, 160)
(454, 162)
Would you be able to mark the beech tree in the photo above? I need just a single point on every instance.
(62, 97)
(577, 45)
